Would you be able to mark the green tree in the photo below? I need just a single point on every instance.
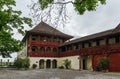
(10, 19)
(79, 5)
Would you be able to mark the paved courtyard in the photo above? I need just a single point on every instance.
(55, 74)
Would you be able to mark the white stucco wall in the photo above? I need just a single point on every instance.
(74, 61)
(23, 52)
(35, 60)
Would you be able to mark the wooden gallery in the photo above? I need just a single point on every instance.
(48, 48)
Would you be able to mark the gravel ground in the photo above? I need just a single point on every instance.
(55, 74)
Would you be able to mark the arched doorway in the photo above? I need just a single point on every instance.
(54, 64)
(41, 64)
(48, 64)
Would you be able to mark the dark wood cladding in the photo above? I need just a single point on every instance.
(106, 49)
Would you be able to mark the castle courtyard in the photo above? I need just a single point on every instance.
(56, 74)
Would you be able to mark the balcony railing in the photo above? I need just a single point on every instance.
(43, 43)
(105, 49)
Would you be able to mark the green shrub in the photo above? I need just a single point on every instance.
(34, 66)
(22, 63)
(67, 63)
(103, 63)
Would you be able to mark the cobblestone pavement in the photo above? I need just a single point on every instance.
(55, 74)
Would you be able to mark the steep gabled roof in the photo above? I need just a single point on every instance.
(43, 28)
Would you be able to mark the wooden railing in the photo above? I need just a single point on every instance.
(43, 43)
(106, 49)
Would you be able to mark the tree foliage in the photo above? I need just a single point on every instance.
(10, 19)
(103, 63)
(8, 44)
(79, 5)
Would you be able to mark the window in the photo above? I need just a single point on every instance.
(74, 47)
(102, 42)
(111, 40)
(54, 39)
(48, 49)
(86, 45)
(34, 49)
(69, 48)
(117, 39)
(94, 44)
(54, 50)
(79, 46)
(61, 40)
(34, 37)
(48, 39)
(42, 38)
(42, 49)
(63, 49)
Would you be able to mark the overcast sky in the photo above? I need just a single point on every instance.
(104, 18)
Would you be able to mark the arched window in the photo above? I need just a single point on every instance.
(42, 49)
(54, 50)
(48, 49)
(34, 49)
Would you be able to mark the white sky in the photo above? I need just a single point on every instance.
(104, 18)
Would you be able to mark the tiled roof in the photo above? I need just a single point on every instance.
(94, 36)
(43, 28)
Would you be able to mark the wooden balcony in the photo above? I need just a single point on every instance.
(106, 49)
